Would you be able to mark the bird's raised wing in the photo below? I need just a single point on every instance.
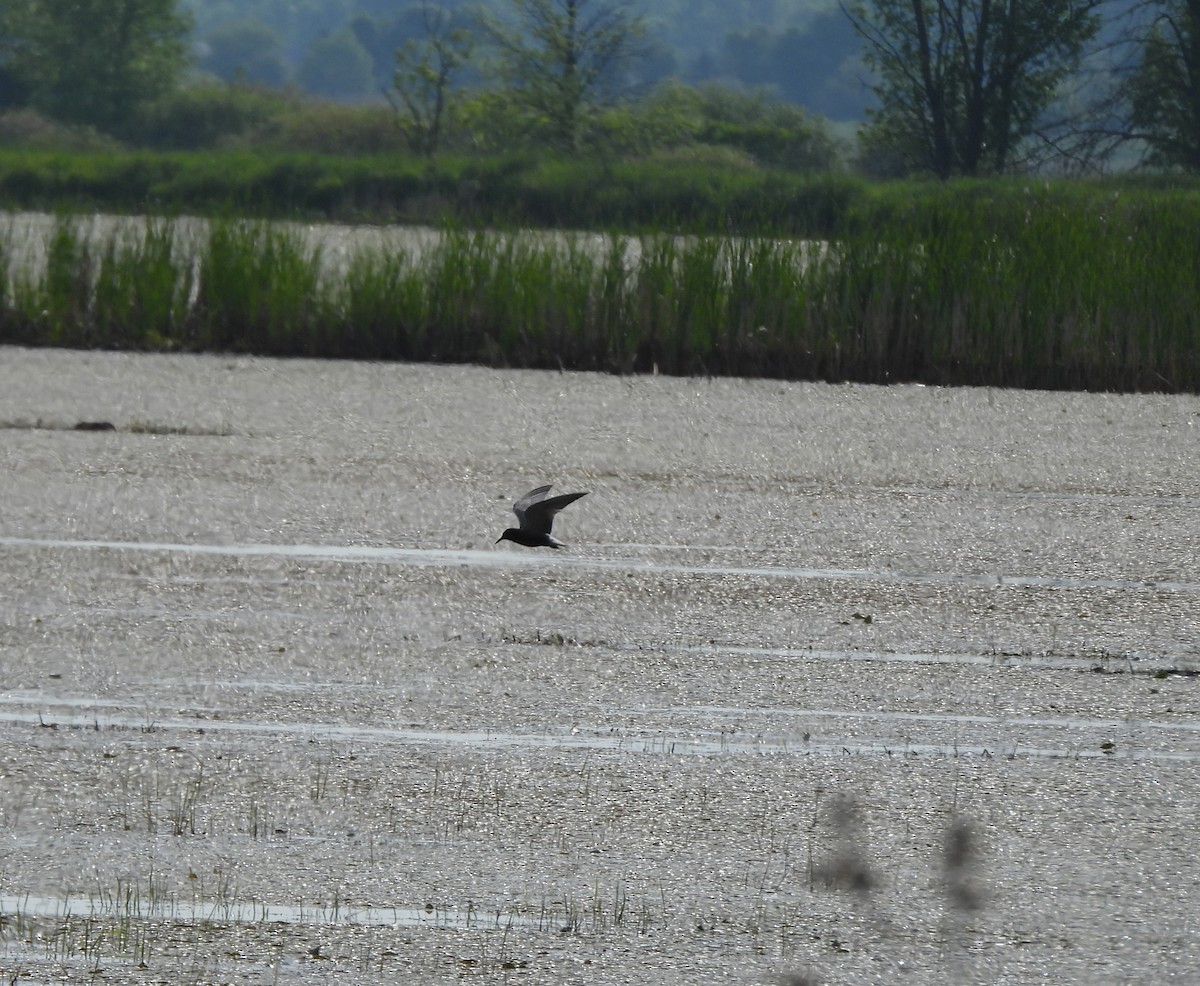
(530, 498)
(539, 515)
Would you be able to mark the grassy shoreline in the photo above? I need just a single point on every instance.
(516, 191)
(1005, 283)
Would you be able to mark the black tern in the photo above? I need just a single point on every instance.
(536, 513)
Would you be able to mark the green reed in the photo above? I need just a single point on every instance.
(995, 284)
(141, 292)
(50, 309)
(376, 311)
(1031, 290)
(258, 290)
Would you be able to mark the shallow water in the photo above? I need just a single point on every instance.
(25, 239)
(276, 709)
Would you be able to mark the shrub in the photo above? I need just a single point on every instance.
(28, 129)
(204, 116)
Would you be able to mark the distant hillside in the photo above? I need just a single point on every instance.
(803, 51)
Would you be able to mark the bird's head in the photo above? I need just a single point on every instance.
(508, 535)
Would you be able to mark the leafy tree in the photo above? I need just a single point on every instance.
(204, 115)
(771, 131)
(425, 73)
(562, 60)
(670, 116)
(489, 119)
(95, 61)
(336, 67)
(246, 51)
(961, 84)
(1164, 92)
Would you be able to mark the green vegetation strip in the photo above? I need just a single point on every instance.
(518, 190)
(1005, 286)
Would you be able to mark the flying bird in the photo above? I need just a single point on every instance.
(535, 513)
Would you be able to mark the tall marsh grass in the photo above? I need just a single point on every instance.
(1029, 288)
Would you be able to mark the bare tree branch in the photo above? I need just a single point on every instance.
(962, 84)
(562, 58)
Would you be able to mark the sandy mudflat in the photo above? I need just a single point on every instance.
(274, 707)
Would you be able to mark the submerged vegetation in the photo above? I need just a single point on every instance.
(1052, 286)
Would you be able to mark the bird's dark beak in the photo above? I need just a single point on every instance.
(500, 538)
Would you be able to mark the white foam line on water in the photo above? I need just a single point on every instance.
(1105, 499)
(658, 743)
(447, 558)
(1123, 663)
(938, 718)
(50, 701)
(257, 912)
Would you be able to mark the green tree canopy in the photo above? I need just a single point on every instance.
(962, 83)
(426, 70)
(1165, 90)
(95, 62)
(562, 59)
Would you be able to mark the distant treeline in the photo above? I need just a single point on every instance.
(1073, 285)
(806, 49)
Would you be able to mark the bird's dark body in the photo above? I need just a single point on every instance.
(530, 540)
(536, 511)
